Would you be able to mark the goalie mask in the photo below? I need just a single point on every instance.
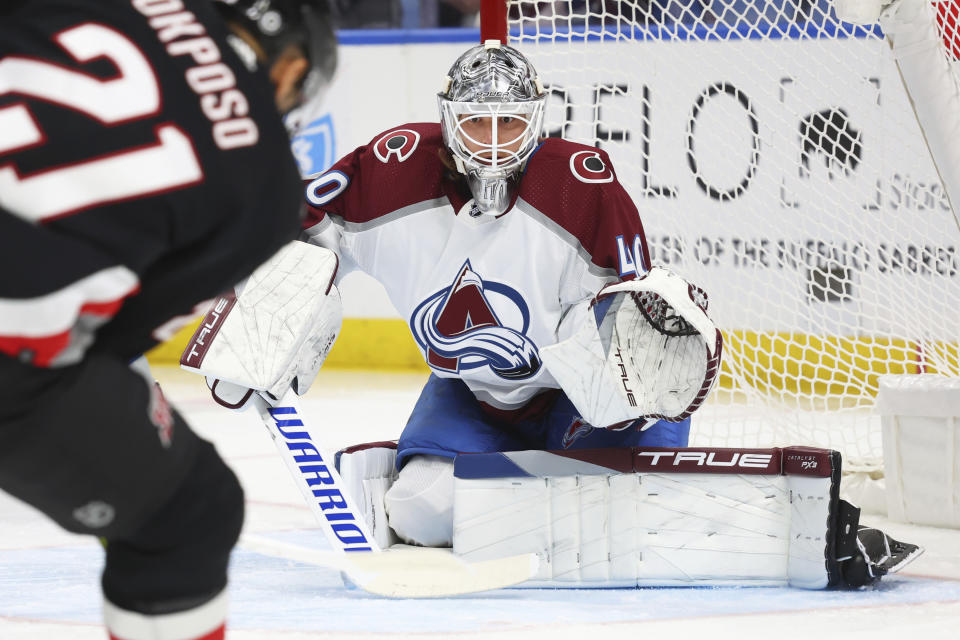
(491, 113)
(277, 24)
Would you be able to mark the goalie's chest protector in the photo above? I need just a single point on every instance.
(482, 295)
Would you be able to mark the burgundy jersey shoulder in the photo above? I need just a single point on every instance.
(576, 187)
(398, 168)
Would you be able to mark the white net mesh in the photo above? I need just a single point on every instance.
(776, 162)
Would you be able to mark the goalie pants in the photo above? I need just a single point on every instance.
(100, 452)
(448, 419)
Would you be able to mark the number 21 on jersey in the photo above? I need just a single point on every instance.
(134, 93)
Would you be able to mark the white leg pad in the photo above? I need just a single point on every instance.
(420, 503)
(368, 471)
(597, 527)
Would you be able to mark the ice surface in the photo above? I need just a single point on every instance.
(48, 578)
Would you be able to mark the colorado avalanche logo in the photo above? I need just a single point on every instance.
(577, 429)
(458, 329)
(399, 142)
(587, 166)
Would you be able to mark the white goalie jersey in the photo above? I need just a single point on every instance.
(480, 295)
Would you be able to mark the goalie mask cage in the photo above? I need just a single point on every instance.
(776, 161)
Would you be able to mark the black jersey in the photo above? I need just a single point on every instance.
(143, 169)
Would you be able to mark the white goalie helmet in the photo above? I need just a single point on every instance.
(491, 113)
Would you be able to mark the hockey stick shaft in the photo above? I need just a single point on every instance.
(313, 471)
(296, 553)
(418, 573)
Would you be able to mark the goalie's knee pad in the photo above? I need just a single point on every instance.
(177, 560)
(420, 503)
(368, 471)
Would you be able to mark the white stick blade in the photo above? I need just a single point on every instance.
(408, 572)
(434, 573)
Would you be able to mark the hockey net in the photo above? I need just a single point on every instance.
(776, 161)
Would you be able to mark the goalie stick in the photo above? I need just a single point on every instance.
(398, 573)
(406, 572)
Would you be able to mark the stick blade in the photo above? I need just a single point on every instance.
(407, 572)
(414, 572)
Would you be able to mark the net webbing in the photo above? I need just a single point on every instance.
(776, 162)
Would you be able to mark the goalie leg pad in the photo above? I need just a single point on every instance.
(599, 524)
(635, 517)
(417, 503)
(368, 471)
(420, 503)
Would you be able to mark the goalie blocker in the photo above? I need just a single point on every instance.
(273, 332)
(652, 517)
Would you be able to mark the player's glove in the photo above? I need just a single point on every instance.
(273, 335)
(648, 350)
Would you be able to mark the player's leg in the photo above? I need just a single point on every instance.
(446, 420)
(563, 428)
(100, 453)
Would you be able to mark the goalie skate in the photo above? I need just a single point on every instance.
(878, 554)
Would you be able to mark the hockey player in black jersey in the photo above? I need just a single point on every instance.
(144, 168)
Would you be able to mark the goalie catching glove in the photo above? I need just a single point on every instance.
(648, 350)
(274, 332)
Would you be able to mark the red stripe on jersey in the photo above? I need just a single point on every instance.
(217, 634)
(43, 350)
(108, 309)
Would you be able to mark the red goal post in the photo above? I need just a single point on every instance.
(776, 160)
(493, 20)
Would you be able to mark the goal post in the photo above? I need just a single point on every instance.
(776, 160)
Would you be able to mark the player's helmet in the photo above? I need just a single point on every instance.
(276, 24)
(496, 86)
